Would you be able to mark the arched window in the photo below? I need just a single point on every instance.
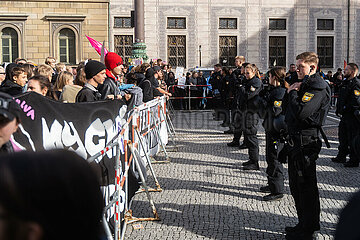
(67, 47)
(9, 44)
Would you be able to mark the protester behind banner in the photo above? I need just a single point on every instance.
(31, 184)
(95, 74)
(114, 68)
(15, 80)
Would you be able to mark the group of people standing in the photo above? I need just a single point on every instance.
(293, 114)
(90, 81)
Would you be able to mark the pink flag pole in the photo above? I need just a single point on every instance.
(97, 45)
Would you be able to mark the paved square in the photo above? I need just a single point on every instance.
(207, 195)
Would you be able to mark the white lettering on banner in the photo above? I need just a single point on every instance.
(96, 129)
(111, 133)
(69, 139)
(58, 136)
(52, 136)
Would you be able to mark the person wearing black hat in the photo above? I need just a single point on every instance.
(9, 121)
(95, 74)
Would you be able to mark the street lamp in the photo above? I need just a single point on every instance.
(200, 55)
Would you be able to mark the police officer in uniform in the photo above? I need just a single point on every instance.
(248, 105)
(349, 127)
(307, 104)
(271, 111)
(215, 81)
(238, 78)
(227, 86)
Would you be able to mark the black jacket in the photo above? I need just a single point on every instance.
(109, 87)
(250, 94)
(215, 80)
(349, 96)
(88, 94)
(11, 88)
(271, 107)
(306, 109)
(147, 89)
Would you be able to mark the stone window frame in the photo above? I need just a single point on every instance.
(176, 18)
(57, 23)
(333, 49)
(326, 33)
(227, 32)
(218, 46)
(227, 19)
(122, 26)
(326, 14)
(16, 22)
(277, 18)
(286, 48)
(277, 33)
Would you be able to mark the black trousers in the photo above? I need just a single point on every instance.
(349, 128)
(236, 124)
(274, 170)
(303, 182)
(250, 123)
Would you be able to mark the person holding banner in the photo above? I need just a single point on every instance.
(95, 74)
(114, 69)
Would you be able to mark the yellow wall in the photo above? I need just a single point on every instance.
(37, 29)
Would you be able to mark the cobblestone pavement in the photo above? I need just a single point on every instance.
(207, 195)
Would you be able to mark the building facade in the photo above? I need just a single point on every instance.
(191, 33)
(37, 29)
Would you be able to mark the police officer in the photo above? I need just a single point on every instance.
(238, 76)
(226, 92)
(215, 81)
(307, 104)
(271, 111)
(248, 105)
(349, 127)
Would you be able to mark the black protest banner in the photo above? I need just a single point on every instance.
(85, 128)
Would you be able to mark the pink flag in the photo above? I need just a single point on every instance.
(96, 45)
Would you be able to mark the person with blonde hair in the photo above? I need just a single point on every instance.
(64, 78)
(248, 106)
(60, 67)
(44, 70)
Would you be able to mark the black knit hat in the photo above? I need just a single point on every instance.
(92, 68)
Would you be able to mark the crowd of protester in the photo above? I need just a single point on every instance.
(91, 80)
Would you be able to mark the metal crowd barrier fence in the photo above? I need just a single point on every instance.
(130, 138)
(189, 93)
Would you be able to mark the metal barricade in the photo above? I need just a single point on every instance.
(189, 93)
(121, 142)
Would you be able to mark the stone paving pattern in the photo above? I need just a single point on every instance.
(207, 195)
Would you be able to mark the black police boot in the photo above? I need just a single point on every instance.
(247, 163)
(229, 131)
(273, 197)
(338, 160)
(225, 124)
(300, 235)
(351, 164)
(242, 146)
(265, 189)
(296, 228)
(233, 144)
(253, 166)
